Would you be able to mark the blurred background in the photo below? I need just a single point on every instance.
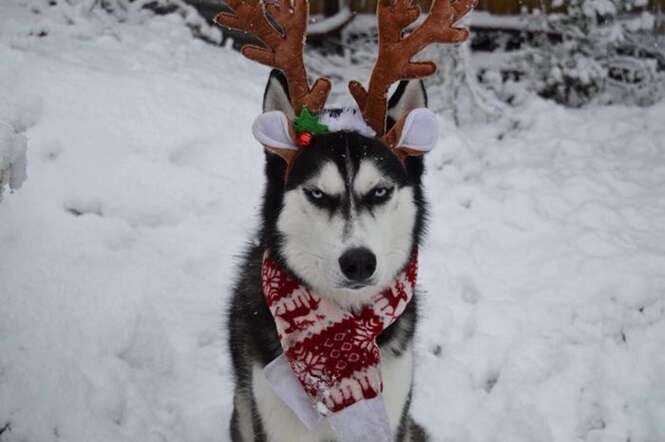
(574, 52)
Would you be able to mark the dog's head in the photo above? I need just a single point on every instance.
(346, 213)
(344, 206)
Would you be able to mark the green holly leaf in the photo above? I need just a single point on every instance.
(309, 122)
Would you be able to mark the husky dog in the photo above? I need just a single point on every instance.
(345, 223)
(343, 214)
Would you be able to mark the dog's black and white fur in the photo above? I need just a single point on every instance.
(345, 191)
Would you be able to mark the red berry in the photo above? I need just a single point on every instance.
(304, 138)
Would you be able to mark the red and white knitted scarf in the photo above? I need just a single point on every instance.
(332, 351)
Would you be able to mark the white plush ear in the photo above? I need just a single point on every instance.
(272, 130)
(420, 131)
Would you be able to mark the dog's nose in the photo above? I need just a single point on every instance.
(357, 264)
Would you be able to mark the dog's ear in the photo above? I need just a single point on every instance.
(276, 95)
(274, 131)
(273, 128)
(409, 95)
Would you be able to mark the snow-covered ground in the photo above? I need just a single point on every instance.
(543, 273)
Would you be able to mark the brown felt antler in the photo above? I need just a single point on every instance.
(284, 47)
(395, 52)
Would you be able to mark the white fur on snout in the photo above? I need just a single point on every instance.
(387, 230)
(311, 236)
(314, 240)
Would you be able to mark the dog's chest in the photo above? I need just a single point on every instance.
(280, 424)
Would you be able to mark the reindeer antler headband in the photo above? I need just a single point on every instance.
(282, 27)
(284, 48)
(395, 51)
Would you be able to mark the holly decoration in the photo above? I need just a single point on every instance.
(303, 138)
(306, 126)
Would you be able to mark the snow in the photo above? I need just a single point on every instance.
(476, 19)
(545, 279)
(543, 273)
(329, 24)
(484, 19)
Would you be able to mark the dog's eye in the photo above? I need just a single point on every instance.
(319, 198)
(380, 194)
(314, 194)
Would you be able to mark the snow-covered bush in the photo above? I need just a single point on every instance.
(12, 158)
(565, 73)
(635, 80)
(455, 90)
(89, 18)
(574, 71)
(195, 22)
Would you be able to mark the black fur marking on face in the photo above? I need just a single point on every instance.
(346, 150)
(376, 197)
(321, 199)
